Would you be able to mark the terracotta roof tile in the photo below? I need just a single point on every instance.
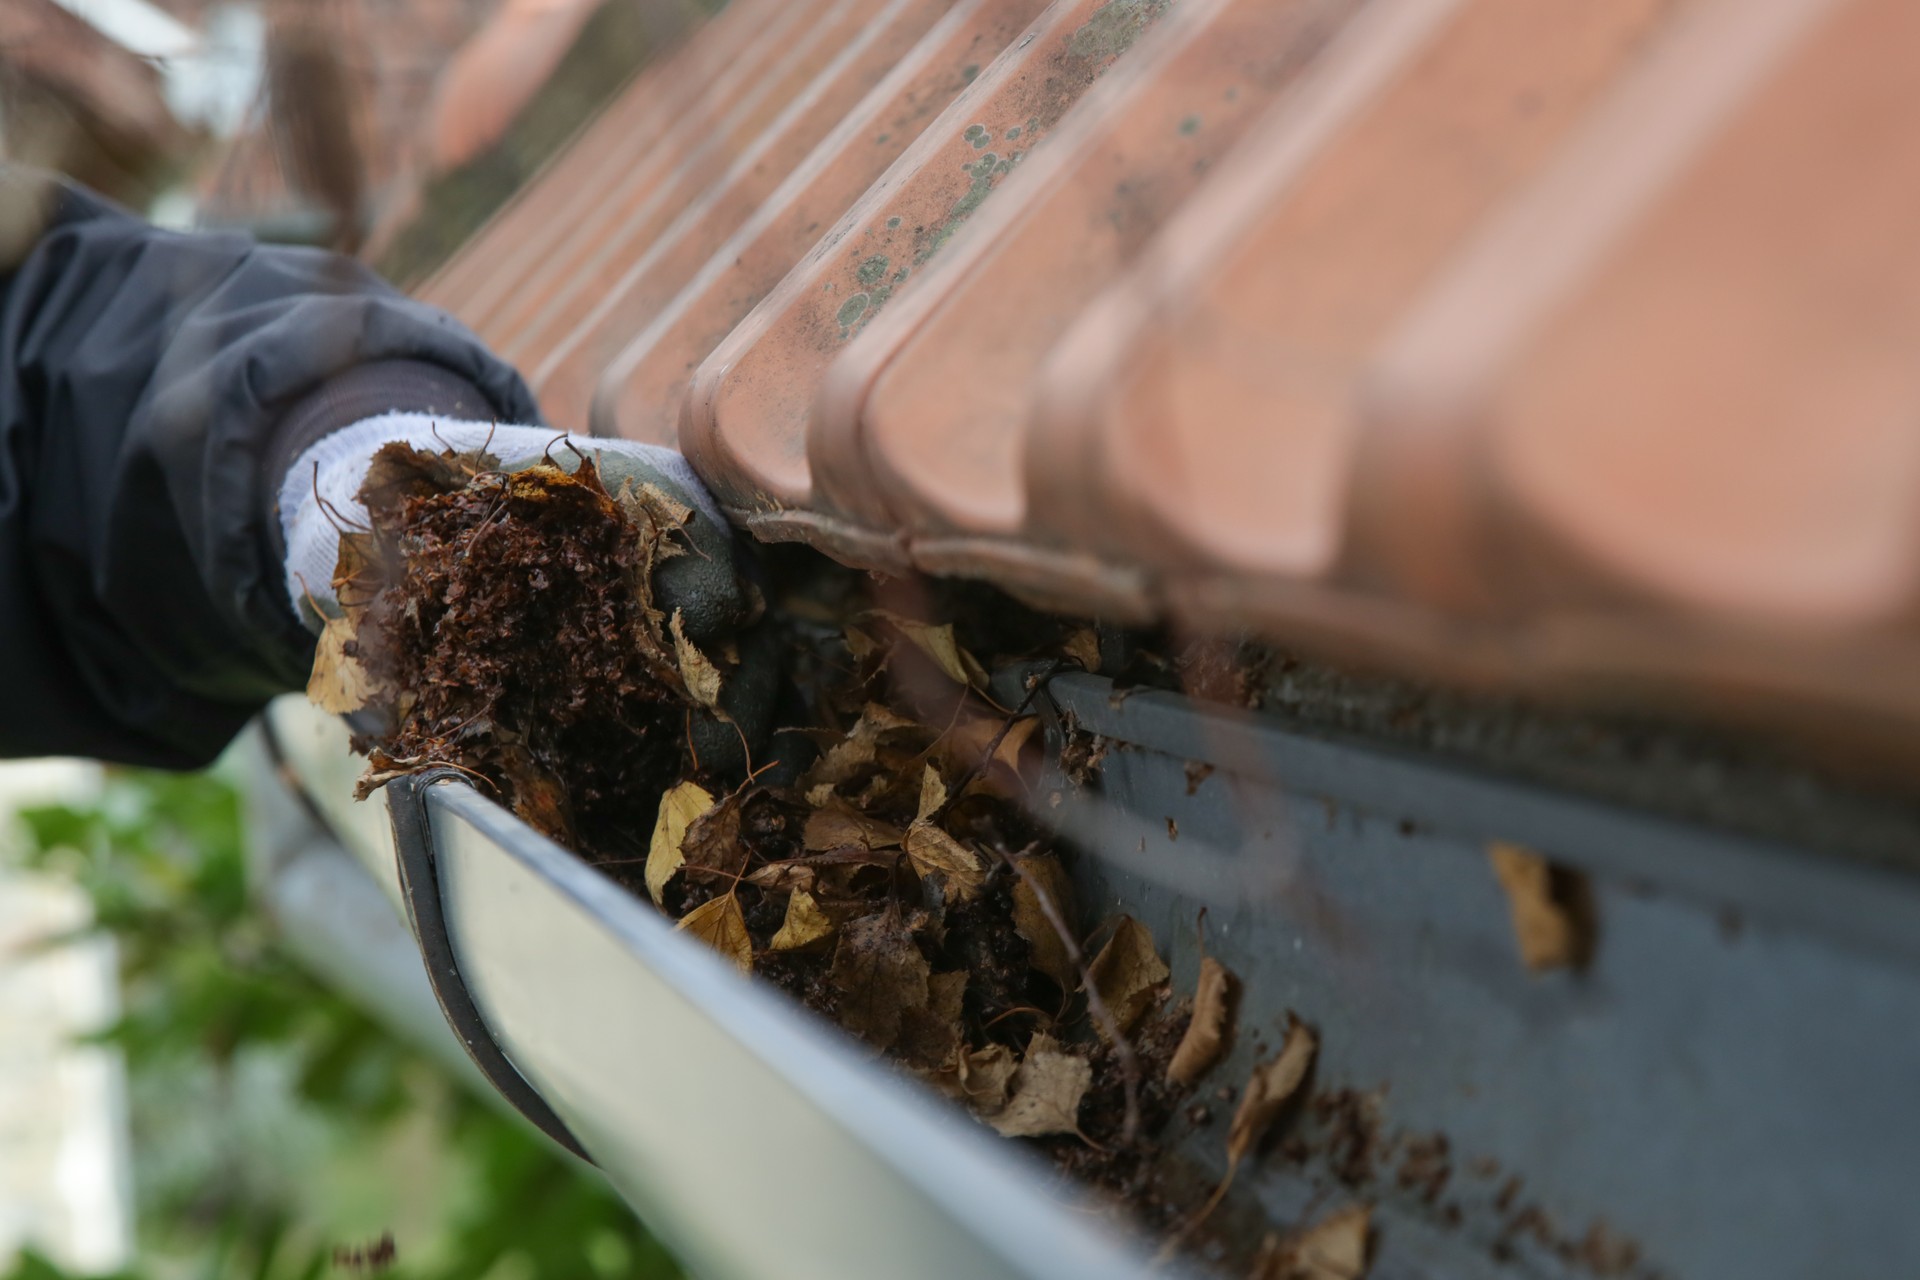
(683, 162)
(748, 410)
(1558, 348)
(614, 140)
(600, 314)
(642, 388)
(908, 435)
(679, 101)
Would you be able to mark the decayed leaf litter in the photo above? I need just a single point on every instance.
(504, 625)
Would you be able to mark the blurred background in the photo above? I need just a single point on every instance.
(179, 1095)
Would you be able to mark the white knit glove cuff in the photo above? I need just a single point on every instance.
(334, 466)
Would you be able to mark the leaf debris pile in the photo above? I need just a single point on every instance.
(502, 624)
(890, 876)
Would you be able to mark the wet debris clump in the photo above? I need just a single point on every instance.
(502, 624)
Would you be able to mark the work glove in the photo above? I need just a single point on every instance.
(712, 587)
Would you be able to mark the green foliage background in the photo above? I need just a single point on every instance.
(272, 1120)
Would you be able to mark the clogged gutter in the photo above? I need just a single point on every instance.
(504, 625)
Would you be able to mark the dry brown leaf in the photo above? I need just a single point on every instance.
(538, 798)
(836, 825)
(652, 508)
(805, 924)
(938, 643)
(721, 926)
(1334, 1248)
(1128, 973)
(1047, 1090)
(399, 471)
(986, 1077)
(855, 751)
(1545, 931)
(976, 1078)
(1083, 646)
(934, 852)
(700, 676)
(713, 839)
(880, 974)
(784, 877)
(861, 645)
(933, 792)
(945, 994)
(963, 748)
(1048, 950)
(932, 1035)
(339, 683)
(1206, 1033)
(1268, 1089)
(678, 808)
(356, 578)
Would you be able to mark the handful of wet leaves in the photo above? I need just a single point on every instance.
(885, 869)
(503, 624)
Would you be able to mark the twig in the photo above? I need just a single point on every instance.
(333, 513)
(1034, 686)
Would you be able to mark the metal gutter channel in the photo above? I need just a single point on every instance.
(1725, 1087)
(756, 1141)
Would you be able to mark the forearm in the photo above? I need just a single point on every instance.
(153, 389)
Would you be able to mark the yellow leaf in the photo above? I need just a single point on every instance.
(939, 644)
(701, 677)
(933, 793)
(1047, 1090)
(1546, 932)
(720, 925)
(1128, 973)
(339, 683)
(1334, 1248)
(1206, 1032)
(678, 808)
(1271, 1084)
(934, 852)
(805, 924)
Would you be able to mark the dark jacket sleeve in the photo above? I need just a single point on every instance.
(154, 387)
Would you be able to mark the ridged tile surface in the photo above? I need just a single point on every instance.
(1560, 348)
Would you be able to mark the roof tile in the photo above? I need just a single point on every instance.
(643, 387)
(747, 413)
(603, 313)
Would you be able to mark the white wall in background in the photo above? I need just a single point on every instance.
(65, 1166)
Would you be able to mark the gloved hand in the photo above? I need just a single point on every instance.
(710, 588)
(705, 586)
